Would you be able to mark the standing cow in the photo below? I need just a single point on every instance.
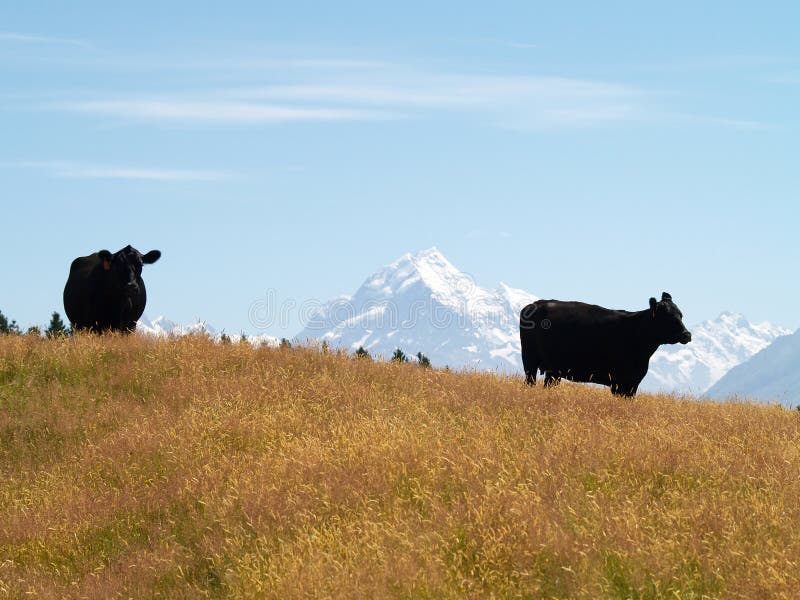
(105, 291)
(588, 343)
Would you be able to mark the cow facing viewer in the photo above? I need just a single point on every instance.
(588, 343)
(105, 291)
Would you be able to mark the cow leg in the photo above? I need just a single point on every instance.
(530, 364)
(627, 390)
(550, 379)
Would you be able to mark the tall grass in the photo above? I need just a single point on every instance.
(185, 468)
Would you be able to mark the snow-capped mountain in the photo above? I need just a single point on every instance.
(716, 347)
(772, 375)
(422, 303)
(163, 327)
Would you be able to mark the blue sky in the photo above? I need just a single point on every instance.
(593, 151)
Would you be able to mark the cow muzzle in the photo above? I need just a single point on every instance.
(686, 337)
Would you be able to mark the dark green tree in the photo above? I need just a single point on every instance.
(34, 330)
(224, 338)
(399, 356)
(6, 327)
(56, 328)
(243, 339)
(285, 344)
(423, 360)
(362, 352)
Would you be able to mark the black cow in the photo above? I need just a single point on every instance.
(588, 343)
(105, 291)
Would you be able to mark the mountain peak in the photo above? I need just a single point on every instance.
(733, 318)
(422, 303)
(428, 269)
(430, 259)
(432, 253)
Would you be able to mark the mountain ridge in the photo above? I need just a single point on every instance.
(770, 375)
(491, 318)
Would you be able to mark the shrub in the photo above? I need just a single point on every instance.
(6, 327)
(399, 356)
(56, 328)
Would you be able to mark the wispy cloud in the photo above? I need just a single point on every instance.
(516, 45)
(342, 91)
(524, 101)
(149, 63)
(76, 170)
(8, 36)
(503, 43)
(398, 95)
(527, 101)
(220, 112)
(741, 124)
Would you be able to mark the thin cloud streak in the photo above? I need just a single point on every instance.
(522, 103)
(445, 90)
(155, 64)
(220, 112)
(740, 124)
(75, 170)
(8, 36)
(362, 94)
(544, 101)
(533, 102)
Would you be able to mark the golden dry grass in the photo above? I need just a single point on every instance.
(183, 468)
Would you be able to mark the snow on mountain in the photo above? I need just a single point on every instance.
(771, 375)
(163, 327)
(422, 303)
(716, 347)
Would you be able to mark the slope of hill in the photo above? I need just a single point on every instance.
(136, 466)
(772, 375)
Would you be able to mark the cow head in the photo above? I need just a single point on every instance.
(123, 269)
(668, 321)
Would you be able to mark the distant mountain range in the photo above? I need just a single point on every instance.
(422, 303)
(716, 347)
(771, 375)
(461, 324)
(163, 327)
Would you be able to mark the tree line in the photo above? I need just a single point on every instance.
(56, 327)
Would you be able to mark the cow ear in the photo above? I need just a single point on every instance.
(105, 256)
(665, 296)
(151, 257)
(653, 305)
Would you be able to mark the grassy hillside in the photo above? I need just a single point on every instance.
(184, 468)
